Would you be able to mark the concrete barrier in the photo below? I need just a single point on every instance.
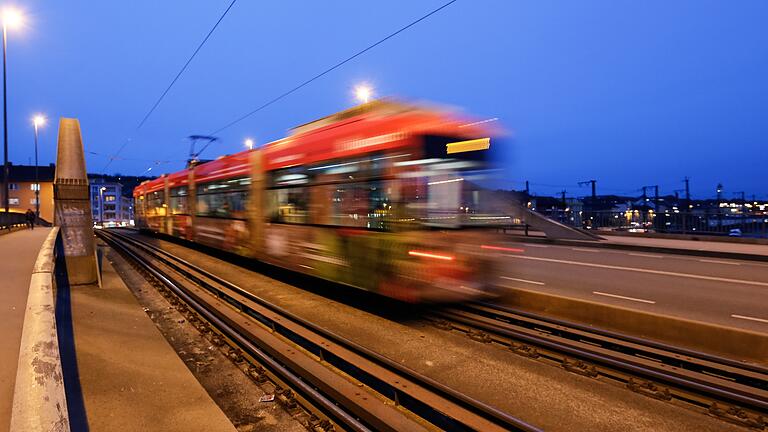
(733, 343)
(39, 401)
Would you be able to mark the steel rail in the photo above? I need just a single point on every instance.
(745, 389)
(505, 420)
(672, 349)
(344, 418)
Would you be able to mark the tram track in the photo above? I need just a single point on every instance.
(730, 390)
(352, 387)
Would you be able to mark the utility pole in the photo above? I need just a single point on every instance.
(719, 209)
(527, 193)
(687, 207)
(743, 210)
(593, 200)
(565, 206)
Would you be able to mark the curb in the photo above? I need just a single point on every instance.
(652, 249)
(39, 401)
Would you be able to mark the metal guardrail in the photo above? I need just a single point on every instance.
(39, 400)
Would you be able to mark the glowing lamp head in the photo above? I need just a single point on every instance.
(363, 93)
(38, 120)
(249, 143)
(12, 18)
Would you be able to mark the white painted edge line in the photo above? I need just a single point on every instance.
(586, 250)
(744, 317)
(306, 266)
(642, 270)
(536, 245)
(623, 297)
(645, 255)
(523, 280)
(719, 262)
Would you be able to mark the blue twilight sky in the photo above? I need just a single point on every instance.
(629, 93)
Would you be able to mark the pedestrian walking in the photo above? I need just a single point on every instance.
(30, 215)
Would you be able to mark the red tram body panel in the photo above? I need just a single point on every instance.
(379, 197)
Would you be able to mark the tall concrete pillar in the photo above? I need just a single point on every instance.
(72, 204)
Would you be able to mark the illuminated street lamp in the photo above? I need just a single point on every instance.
(11, 18)
(38, 121)
(101, 205)
(248, 143)
(363, 93)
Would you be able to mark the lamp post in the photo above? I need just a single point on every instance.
(38, 121)
(101, 205)
(10, 18)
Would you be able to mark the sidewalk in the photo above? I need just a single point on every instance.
(18, 252)
(692, 245)
(130, 378)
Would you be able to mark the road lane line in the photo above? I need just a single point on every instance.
(623, 297)
(586, 250)
(523, 280)
(744, 317)
(642, 270)
(645, 255)
(536, 245)
(719, 262)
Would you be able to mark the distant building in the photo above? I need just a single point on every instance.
(22, 187)
(110, 202)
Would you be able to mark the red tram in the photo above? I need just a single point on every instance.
(380, 197)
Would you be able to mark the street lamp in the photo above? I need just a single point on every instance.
(248, 143)
(38, 121)
(363, 93)
(11, 18)
(101, 205)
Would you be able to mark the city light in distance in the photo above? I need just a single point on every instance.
(363, 93)
(12, 18)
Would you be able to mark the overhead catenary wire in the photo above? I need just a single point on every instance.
(332, 68)
(176, 78)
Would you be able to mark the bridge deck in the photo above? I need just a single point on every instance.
(18, 252)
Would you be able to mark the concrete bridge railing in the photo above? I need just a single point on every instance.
(39, 400)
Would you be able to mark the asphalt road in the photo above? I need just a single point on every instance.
(726, 292)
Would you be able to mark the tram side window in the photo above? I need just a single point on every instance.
(155, 203)
(223, 198)
(179, 197)
(288, 196)
(138, 205)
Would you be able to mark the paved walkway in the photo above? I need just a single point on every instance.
(697, 245)
(130, 378)
(18, 252)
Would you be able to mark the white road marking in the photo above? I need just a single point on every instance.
(306, 266)
(641, 270)
(586, 250)
(536, 245)
(744, 317)
(523, 280)
(719, 262)
(645, 255)
(623, 297)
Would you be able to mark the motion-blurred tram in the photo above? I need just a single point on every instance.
(382, 197)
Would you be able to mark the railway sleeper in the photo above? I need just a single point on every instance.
(649, 389)
(737, 415)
